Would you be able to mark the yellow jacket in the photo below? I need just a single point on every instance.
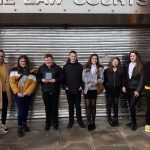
(6, 77)
(29, 85)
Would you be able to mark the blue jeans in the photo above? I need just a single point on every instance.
(23, 107)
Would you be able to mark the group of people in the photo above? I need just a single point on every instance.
(74, 78)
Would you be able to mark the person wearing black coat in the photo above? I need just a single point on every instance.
(50, 77)
(113, 82)
(72, 84)
(133, 84)
(147, 94)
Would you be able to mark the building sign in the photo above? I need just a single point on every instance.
(76, 6)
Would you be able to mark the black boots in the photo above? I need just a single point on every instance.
(23, 129)
(113, 121)
(91, 126)
(20, 132)
(26, 128)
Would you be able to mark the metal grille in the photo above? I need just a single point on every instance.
(105, 41)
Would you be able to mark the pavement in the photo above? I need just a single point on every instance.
(76, 138)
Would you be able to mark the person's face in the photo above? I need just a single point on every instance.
(73, 57)
(115, 63)
(94, 60)
(133, 57)
(2, 56)
(48, 61)
(22, 62)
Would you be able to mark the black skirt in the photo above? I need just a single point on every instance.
(91, 94)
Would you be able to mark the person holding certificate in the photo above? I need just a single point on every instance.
(50, 77)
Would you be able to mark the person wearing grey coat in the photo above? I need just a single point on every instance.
(91, 76)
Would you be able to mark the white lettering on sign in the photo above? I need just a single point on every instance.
(46, 2)
(107, 2)
(93, 2)
(119, 1)
(79, 2)
(142, 2)
(7, 2)
(111, 2)
(37, 2)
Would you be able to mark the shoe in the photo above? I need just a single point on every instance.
(26, 128)
(4, 129)
(93, 126)
(82, 125)
(89, 126)
(55, 126)
(115, 122)
(111, 122)
(47, 127)
(70, 125)
(133, 126)
(147, 128)
(128, 124)
(20, 132)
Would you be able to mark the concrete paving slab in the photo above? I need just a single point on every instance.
(118, 147)
(107, 138)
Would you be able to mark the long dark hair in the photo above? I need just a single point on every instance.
(110, 66)
(25, 70)
(89, 63)
(139, 66)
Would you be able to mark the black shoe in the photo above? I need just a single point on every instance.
(26, 128)
(128, 124)
(133, 126)
(115, 122)
(47, 126)
(70, 125)
(89, 127)
(93, 126)
(55, 126)
(82, 125)
(111, 122)
(20, 132)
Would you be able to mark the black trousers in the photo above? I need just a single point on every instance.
(74, 100)
(112, 102)
(4, 107)
(147, 93)
(132, 100)
(51, 106)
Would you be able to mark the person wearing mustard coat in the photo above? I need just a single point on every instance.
(23, 83)
(5, 94)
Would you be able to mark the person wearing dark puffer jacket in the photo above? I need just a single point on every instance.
(113, 82)
(73, 86)
(147, 94)
(50, 77)
(133, 84)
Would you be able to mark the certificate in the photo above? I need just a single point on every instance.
(48, 75)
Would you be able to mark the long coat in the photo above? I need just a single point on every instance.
(8, 92)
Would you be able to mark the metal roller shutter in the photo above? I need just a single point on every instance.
(105, 41)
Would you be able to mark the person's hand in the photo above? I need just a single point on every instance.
(124, 89)
(80, 89)
(95, 82)
(24, 94)
(45, 80)
(67, 88)
(20, 94)
(136, 94)
(52, 81)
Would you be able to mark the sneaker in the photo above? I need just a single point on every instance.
(4, 129)
(147, 128)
